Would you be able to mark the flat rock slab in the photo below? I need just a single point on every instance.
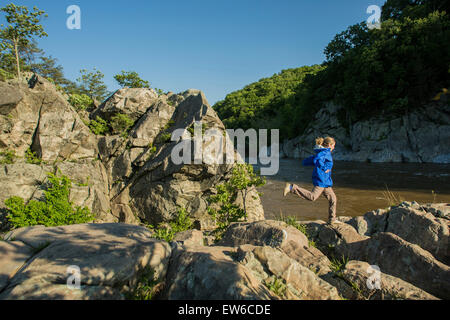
(110, 258)
(13, 256)
(209, 273)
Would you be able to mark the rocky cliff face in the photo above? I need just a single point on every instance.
(124, 178)
(421, 136)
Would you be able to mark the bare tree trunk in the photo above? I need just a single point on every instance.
(16, 49)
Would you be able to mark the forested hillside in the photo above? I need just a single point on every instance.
(269, 103)
(387, 71)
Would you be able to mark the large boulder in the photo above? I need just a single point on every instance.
(110, 259)
(42, 120)
(424, 225)
(263, 233)
(209, 273)
(408, 262)
(421, 228)
(272, 265)
(132, 102)
(144, 179)
(336, 240)
(376, 285)
(89, 185)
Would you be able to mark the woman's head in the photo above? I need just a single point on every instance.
(327, 142)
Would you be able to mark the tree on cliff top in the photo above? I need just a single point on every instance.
(22, 26)
(131, 79)
(91, 84)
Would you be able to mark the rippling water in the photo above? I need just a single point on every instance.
(358, 186)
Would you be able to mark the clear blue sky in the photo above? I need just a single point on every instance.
(217, 46)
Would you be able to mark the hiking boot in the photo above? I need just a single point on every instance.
(287, 189)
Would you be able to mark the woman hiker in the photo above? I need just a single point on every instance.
(323, 164)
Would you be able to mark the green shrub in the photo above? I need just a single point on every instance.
(242, 181)
(151, 148)
(292, 221)
(164, 137)
(99, 126)
(55, 210)
(167, 232)
(5, 75)
(32, 158)
(151, 151)
(145, 288)
(121, 124)
(80, 101)
(338, 265)
(159, 91)
(7, 157)
(276, 285)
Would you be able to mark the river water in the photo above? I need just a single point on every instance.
(358, 186)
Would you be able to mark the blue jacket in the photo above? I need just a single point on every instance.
(322, 162)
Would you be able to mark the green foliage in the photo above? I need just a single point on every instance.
(5, 75)
(164, 137)
(151, 151)
(131, 79)
(32, 158)
(159, 91)
(167, 232)
(242, 181)
(80, 101)
(121, 124)
(7, 157)
(22, 26)
(151, 148)
(270, 103)
(191, 129)
(388, 71)
(91, 84)
(398, 9)
(47, 67)
(99, 126)
(145, 288)
(55, 210)
(379, 72)
(338, 265)
(276, 285)
(292, 221)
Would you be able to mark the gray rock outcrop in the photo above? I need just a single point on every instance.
(128, 177)
(420, 136)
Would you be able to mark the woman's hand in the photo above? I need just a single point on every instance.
(328, 171)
